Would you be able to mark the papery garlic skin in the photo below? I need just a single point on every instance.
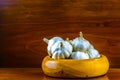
(80, 44)
(51, 43)
(61, 54)
(78, 48)
(61, 50)
(91, 47)
(93, 53)
(79, 55)
(68, 46)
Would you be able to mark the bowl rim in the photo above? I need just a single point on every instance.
(101, 56)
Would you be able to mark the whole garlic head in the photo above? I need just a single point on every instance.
(80, 44)
(93, 53)
(61, 50)
(79, 55)
(51, 42)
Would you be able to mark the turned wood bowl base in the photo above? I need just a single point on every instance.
(101, 77)
(69, 68)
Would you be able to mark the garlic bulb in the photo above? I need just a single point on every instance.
(93, 53)
(79, 55)
(60, 54)
(80, 44)
(51, 43)
(91, 47)
(61, 50)
(78, 48)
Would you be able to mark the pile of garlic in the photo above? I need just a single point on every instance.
(78, 48)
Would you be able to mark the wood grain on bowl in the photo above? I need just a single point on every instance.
(70, 68)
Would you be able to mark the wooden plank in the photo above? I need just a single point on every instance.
(24, 24)
(37, 74)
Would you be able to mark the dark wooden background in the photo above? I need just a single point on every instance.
(24, 23)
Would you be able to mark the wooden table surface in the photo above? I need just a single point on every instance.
(37, 74)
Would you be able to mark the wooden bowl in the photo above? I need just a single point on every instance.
(70, 68)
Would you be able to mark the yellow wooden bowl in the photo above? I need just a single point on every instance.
(70, 68)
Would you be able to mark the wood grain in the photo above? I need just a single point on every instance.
(68, 68)
(37, 74)
(24, 23)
